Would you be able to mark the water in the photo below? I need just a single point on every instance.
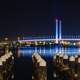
(49, 51)
(24, 61)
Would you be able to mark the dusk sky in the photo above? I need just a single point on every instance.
(37, 17)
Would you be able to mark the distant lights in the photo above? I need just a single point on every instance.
(78, 43)
(44, 43)
(62, 42)
(18, 38)
(6, 38)
(50, 43)
(36, 43)
(40, 42)
(74, 44)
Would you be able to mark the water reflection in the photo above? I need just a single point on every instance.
(24, 64)
(48, 51)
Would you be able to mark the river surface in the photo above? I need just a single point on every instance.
(23, 62)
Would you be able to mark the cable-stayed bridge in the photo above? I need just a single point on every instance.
(50, 40)
(57, 38)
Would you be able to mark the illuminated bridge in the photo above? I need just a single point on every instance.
(57, 38)
(49, 40)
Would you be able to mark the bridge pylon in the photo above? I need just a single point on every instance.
(58, 31)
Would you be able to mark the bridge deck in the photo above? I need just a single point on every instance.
(72, 39)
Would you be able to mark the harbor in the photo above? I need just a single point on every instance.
(63, 65)
(54, 62)
(40, 40)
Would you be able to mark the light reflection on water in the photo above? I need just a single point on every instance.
(49, 51)
(24, 63)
